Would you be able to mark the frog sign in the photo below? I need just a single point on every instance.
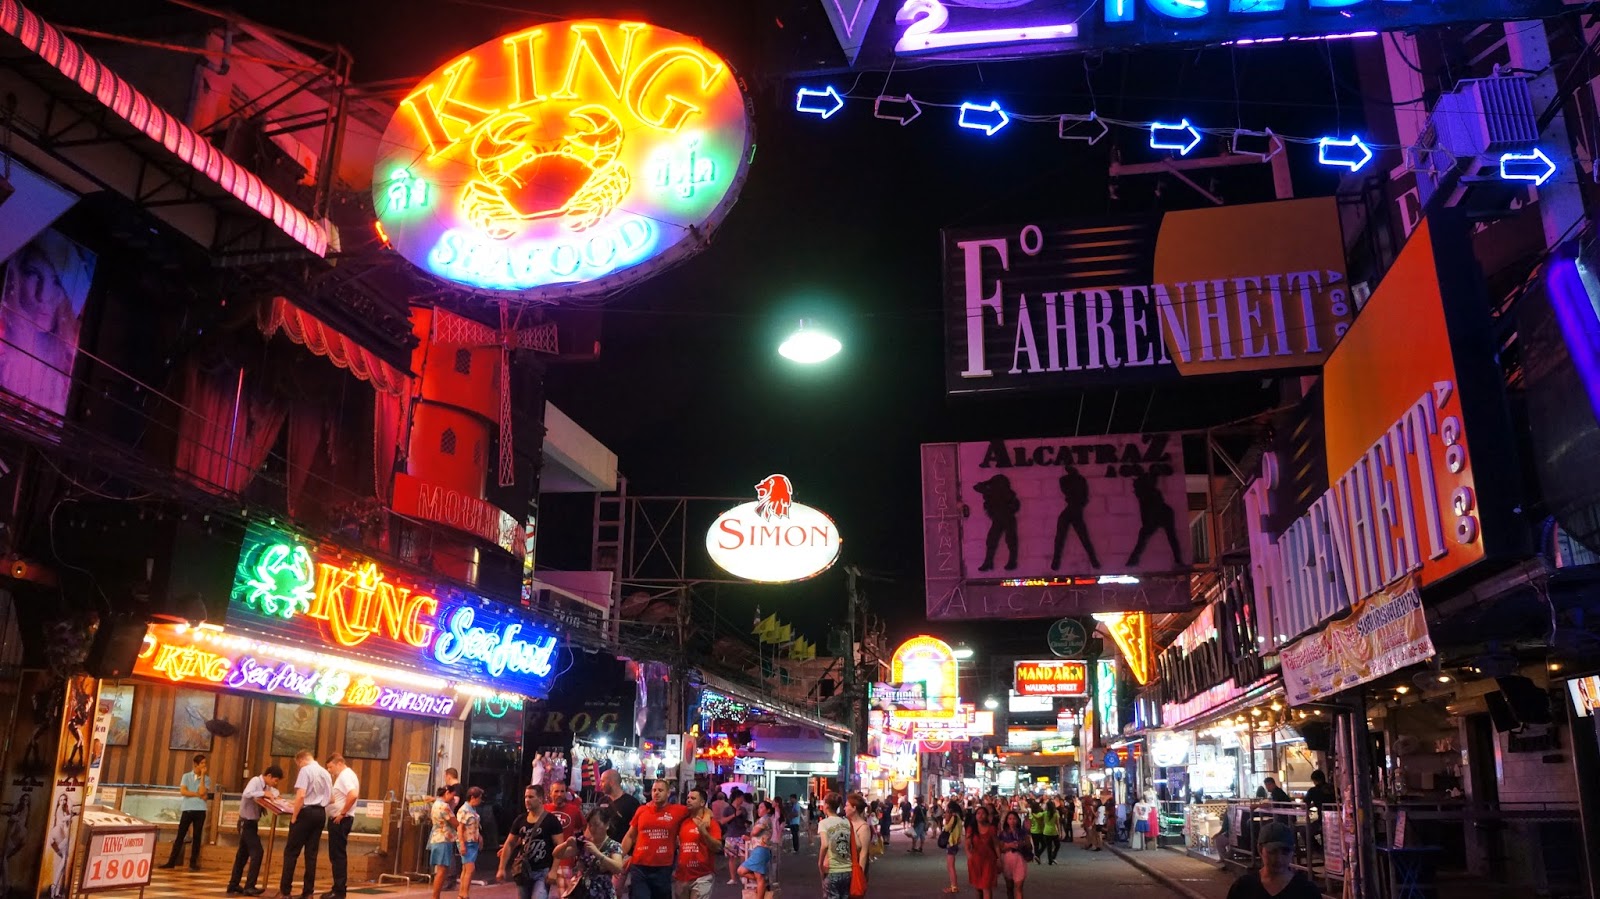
(567, 159)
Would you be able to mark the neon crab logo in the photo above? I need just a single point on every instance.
(564, 158)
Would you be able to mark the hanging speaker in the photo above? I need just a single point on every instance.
(116, 645)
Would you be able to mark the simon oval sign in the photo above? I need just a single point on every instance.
(773, 540)
(567, 159)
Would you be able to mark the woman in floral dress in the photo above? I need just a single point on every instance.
(599, 859)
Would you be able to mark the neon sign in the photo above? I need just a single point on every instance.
(1052, 677)
(569, 158)
(931, 662)
(721, 750)
(212, 657)
(286, 587)
(1131, 632)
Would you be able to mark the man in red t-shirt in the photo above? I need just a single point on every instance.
(569, 812)
(650, 843)
(699, 843)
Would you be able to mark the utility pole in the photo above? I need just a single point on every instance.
(852, 689)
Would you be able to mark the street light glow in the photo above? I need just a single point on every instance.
(809, 347)
(962, 652)
(991, 703)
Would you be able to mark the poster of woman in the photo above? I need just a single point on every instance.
(41, 306)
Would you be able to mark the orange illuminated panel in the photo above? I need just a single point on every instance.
(1052, 677)
(930, 661)
(569, 158)
(1131, 632)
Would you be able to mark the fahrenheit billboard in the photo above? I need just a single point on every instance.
(567, 159)
(286, 588)
(773, 540)
(1130, 299)
(1051, 527)
(1412, 402)
(1052, 677)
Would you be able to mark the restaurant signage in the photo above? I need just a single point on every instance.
(566, 159)
(1052, 677)
(967, 30)
(1055, 526)
(1130, 299)
(1398, 432)
(773, 540)
(932, 663)
(211, 657)
(287, 588)
(1385, 632)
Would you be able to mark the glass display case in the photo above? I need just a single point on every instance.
(158, 805)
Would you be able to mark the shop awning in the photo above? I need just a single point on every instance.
(317, 336)
(188, 170)
(778, 707)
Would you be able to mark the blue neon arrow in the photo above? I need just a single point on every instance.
(1353, 154)
(823, 110)
(987, 119)
(1158, 142)
(1535, 167)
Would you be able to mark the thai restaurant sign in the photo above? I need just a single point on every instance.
(1052, 677)
(1413, 400)
(1056, 526)
(567, 159)
(773, 540)
(1132, 299)
(290, 589)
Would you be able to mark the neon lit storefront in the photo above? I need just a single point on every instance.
(327, 651)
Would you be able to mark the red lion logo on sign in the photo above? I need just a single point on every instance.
(776, 495)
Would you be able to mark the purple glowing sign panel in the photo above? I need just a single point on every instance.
(979, 29)
(1046, 528)
(850, 20)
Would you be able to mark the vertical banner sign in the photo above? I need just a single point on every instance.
(74, 753)
(1056, 526)
(29, 769)
(1132, 299)
(104, 710)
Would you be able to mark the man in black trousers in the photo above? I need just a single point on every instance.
(195, 787)
(313, 790)
(262, 786)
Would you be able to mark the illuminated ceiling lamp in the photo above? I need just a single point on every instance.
(962, 652)
(809, 347)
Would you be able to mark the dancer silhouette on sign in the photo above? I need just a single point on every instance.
(1001, 504)
(1075, 489)
(1154, 515)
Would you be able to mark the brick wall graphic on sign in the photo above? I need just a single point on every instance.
(1049, 508)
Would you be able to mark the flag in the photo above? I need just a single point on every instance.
(765, 627)
(783, 634)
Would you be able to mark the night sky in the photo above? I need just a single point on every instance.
(839, 222)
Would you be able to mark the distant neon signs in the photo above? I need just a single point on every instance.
(565, 158)
(1052, 677)
(1131, 632)
(930, 661)
(719, 751)
(773, 540)
(211, 657)
(285, 587)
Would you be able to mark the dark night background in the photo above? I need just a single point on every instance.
(839, 222)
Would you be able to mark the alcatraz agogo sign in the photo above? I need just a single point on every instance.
(567, 159)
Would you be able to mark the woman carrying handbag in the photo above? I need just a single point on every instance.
(950, 841)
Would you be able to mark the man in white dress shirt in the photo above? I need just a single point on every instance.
(313, 790)
(346, 790)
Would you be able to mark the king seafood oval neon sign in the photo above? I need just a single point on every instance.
(773, 540)
(566, 159)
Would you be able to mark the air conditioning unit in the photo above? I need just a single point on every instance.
(1468, 130)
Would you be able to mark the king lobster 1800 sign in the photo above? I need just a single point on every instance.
(569, 158)
(773, 540)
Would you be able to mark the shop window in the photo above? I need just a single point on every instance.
(464, 362)
(447, 442)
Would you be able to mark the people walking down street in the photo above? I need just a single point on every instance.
(528, 852)
(983, 853)
(834, 858)
(651, 843)
(313, 790)
(568, 812)
(735, 821)
(951, 833)
(1069, 813)
(441, 839)
(699, 844)
(1036, 820)
(195, 787)
(861, 832)
(1091, 822)
(619, 805)
(919, 826)
(341, 820)
(469, 838)
(1277, 878)
(596, 859)
(262, 786)
(1052, 831)
(886, 823)
(1016, 850)
(764, 835)
(793, 815)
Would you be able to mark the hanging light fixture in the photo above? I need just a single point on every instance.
(809, 347)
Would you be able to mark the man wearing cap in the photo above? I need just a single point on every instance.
(1276, 879)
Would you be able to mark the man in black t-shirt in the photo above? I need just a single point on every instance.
(530, 849)
(618, 805)
(1277, 878)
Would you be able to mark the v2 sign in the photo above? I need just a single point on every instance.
(773, 540)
